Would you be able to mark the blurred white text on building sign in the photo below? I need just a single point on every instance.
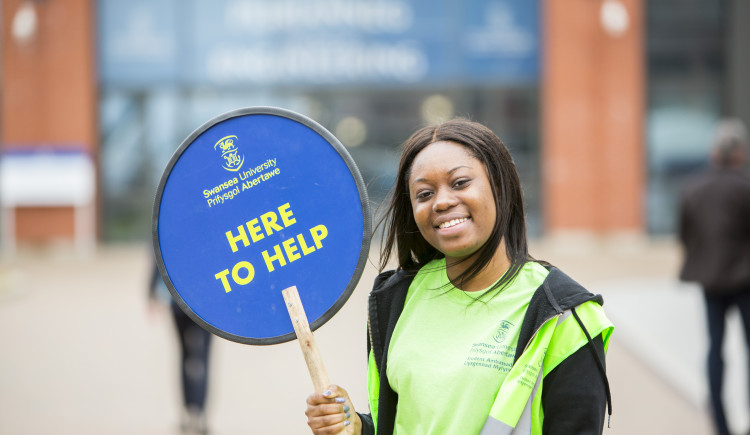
(149, 42)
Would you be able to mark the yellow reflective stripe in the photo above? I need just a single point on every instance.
(555, 340)
(569, 336)
(373, 388)
(518, 385)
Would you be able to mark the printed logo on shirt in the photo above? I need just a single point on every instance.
(502, 331)
(492, 356)
(496, 349)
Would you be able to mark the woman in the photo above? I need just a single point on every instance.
(470, 334)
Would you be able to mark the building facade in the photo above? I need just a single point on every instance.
(605, 105)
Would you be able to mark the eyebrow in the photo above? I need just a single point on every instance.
(449, 172)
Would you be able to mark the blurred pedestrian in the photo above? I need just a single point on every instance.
(714, 228)
(471, 334)
(194, 352)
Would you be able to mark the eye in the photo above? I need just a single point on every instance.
(423, 195)
(461, 183)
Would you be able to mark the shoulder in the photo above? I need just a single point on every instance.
(740, 179)
(392, 280)
(696, 182)
(562, 292)
(389, 289)
(532, 273)
(389, 280)
(556, 294)
(714, 180)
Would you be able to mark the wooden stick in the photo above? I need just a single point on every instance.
(306, 339)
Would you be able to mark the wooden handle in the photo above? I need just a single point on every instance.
(306, 339)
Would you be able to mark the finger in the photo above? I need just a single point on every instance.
(335, 391)
(327, 421)
(320, 399)
(329, 424)
(327, 409)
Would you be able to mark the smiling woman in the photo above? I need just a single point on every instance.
(470, 324)
(449, 191)
(480, 166)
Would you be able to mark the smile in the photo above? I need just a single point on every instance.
(452, 223)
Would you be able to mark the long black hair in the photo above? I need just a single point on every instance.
(399, 229)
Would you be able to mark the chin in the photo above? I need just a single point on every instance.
(459, 254)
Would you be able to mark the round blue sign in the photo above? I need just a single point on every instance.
(253, 202)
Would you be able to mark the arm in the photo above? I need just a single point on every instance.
(574, 394)
(333, 412)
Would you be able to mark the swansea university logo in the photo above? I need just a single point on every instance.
(229, 153)
(502, 331)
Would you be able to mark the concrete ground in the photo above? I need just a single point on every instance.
(82, 354)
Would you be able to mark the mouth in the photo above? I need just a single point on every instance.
(452, 223)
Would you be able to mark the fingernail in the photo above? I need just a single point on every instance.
(340, 400)
(327, 393)
(346, 408)
(347, 422)
(347, 415)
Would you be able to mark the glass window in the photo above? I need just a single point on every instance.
(141, 131)
(685, 98)
(368, 71)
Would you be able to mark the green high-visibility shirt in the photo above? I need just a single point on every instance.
(450, 353)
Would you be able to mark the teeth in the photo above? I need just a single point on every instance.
(452, 222)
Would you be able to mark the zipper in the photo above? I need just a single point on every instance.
(369, 332)
(372, 342)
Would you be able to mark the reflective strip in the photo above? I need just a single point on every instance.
(495, 427)
(524, 422)
(510, 409)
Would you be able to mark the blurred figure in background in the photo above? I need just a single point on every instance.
(194, 350)
(714, 229)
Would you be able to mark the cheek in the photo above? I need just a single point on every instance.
(421, 218)
(489, 212)
(419, 215)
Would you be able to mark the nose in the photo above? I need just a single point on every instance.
(444, 200)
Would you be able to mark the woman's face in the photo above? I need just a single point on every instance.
(452, 199)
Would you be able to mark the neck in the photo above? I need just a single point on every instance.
(489, 275)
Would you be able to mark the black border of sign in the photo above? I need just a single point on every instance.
(366, 233)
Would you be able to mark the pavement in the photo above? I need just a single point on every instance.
(82, 353)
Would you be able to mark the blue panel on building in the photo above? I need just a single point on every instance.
(259, 42)
(139, 41)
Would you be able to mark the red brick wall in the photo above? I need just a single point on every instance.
(49, 95)
(593, 99)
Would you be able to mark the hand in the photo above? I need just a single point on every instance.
(332, 412)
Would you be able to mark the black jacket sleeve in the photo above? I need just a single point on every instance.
(574, 394)
(368, 428)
